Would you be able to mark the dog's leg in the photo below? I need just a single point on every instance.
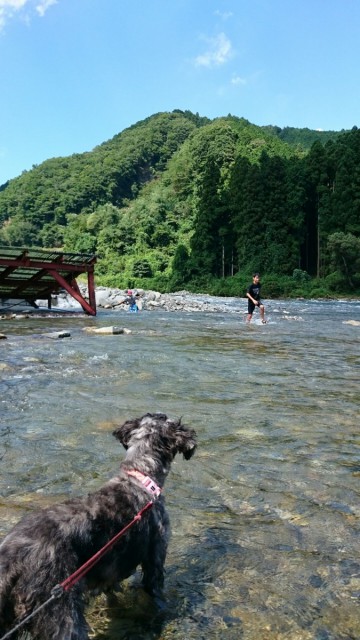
(153, 580)
(153, 564)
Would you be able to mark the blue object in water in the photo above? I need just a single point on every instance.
(133, 308)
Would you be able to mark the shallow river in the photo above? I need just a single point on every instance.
(265, 518)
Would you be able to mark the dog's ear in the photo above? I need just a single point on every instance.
(185, 440)
(123, 433)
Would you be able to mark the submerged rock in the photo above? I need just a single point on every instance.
(57, 334)
(106, 331)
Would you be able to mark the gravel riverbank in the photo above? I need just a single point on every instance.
(115, 299)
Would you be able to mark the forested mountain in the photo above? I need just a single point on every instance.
(178, 201)
(302, 138)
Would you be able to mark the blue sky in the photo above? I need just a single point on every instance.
(74, 73)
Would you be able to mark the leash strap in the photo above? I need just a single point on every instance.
(57, 591)
(81, 571)
(69, 582)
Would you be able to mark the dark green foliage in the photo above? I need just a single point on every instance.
(344, 250)
(180, 267)
(301, 276)
(266, 215)
(142, 268)
(205, 245)
(181, 201)
(302, 138)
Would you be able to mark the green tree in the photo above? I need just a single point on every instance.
(180, 264)
(247, 205)
(317, 208)
(205, 243)
(275, 237)
(344, 249)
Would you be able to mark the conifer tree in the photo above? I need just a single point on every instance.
(205, 242)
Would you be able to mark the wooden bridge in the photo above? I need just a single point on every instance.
(37, 274)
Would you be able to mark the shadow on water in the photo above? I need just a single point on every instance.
(196, 568)
(202, 603)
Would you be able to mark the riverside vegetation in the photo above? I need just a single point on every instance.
(179, 201)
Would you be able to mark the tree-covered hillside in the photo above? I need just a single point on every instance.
(303, 138)
(178, 201)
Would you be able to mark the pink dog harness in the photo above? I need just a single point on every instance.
(148, 484)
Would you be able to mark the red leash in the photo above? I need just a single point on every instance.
(152, 488)
(81, 571)
(69, 582)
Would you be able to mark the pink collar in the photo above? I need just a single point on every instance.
(148, 484)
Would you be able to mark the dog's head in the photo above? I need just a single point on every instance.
(158, 432)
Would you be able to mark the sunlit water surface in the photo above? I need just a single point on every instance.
(265, 517)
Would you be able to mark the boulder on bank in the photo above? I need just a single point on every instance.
(155, 301)
(111, 298)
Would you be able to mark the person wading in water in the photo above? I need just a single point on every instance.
(131, 302)
(253, 295)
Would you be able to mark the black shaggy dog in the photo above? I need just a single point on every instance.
(47, 546)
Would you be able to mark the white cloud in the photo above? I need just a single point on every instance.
(238, 80)
(218, 53)
(43, 6)
(10, 8)
(12, 4)
(224, 15)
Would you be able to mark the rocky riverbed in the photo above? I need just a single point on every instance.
(115, 299)
(108, 298)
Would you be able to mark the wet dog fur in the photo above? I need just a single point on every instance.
(47, 546)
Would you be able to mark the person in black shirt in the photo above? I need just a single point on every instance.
(253, 295)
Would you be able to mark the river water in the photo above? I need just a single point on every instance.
(265, 517)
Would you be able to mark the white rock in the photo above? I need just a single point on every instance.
(106, 331)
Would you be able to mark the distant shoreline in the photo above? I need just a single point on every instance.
(111, 299)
